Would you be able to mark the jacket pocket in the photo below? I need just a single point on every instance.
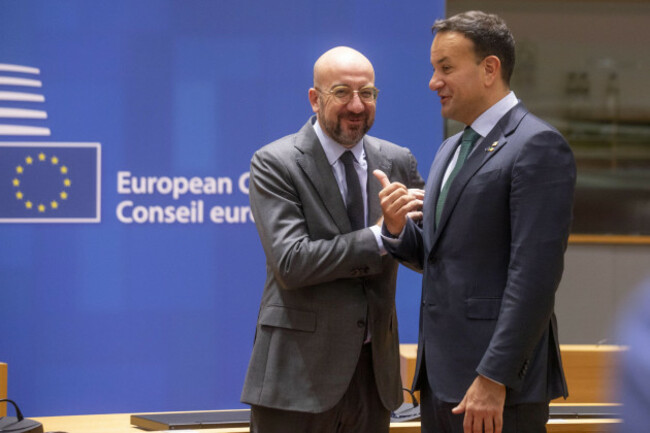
(288, 318)
(483, 308)
(483, 181)
(487, 176)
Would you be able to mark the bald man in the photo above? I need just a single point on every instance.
(325, 357)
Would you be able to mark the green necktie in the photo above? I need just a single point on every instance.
(469, 138)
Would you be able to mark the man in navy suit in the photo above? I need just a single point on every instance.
(497, 211)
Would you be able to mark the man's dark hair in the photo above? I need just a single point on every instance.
(490, 36)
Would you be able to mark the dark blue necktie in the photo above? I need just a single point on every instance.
(354, 198)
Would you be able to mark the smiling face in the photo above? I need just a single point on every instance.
(345, 123)
(459, 77)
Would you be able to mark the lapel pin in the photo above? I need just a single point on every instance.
(492, 147)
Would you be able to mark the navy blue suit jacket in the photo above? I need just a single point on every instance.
(492, 267)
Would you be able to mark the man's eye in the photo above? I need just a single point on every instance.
(340, 93)
(366, 94)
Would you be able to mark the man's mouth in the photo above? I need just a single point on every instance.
(354, 120)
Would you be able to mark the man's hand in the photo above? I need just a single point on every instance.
(483, 406)
(398, 202)
(419, 195)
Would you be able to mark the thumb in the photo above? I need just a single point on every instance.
(381, 176)
(460, 408)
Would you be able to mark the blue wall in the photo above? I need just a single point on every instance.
(112, 316)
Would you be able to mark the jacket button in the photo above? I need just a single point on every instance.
(361, 324)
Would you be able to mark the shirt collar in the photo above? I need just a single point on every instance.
(490, 117)
(334, 150)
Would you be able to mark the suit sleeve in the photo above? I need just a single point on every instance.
(408, 248)
(297, 260)
(541, 199)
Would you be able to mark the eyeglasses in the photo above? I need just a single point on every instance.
(343, 94)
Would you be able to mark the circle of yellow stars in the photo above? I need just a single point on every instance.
(30, 162)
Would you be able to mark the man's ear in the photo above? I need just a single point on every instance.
(492, 70)
(313, 99)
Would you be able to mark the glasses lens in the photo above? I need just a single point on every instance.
(368, 94)
(342, 93)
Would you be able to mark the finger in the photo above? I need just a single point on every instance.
(414, 205)
(394, 188)
(468, 423)
(381, 176)
(410, 204)
(391, 193)
(459, 409)
(393, 197)
(498, 423)
(416, 215)
(417, 204)
(477, 425)
(488, 425)
(417, 193)
(400, 203)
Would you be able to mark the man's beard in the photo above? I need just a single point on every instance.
(347, 137)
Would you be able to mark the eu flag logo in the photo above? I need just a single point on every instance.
(50, 182)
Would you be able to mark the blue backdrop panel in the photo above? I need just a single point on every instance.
(151, 305)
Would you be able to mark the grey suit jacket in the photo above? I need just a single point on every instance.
(491, 268)
(323, 280)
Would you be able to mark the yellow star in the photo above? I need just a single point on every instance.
(63, 195)
(54, 204)
(41, 208)
(19, 195)
(66, 182)
(41, 156)
(28, 204)
(29, 160)
(55, 160)
(64, 169)
(19, 169)
(16, 182)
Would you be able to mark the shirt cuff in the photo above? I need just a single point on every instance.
(380, 244)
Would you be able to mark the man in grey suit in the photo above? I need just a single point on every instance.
(497, 211)
(325, 356)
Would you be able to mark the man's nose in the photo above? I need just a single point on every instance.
(435, 83)
(356, 105)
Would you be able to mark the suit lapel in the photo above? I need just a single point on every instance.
(317, 169)
(489, 147)
(376, 160)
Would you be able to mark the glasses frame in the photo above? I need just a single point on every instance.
(342, 102)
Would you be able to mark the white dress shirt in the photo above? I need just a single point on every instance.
(483, 125)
